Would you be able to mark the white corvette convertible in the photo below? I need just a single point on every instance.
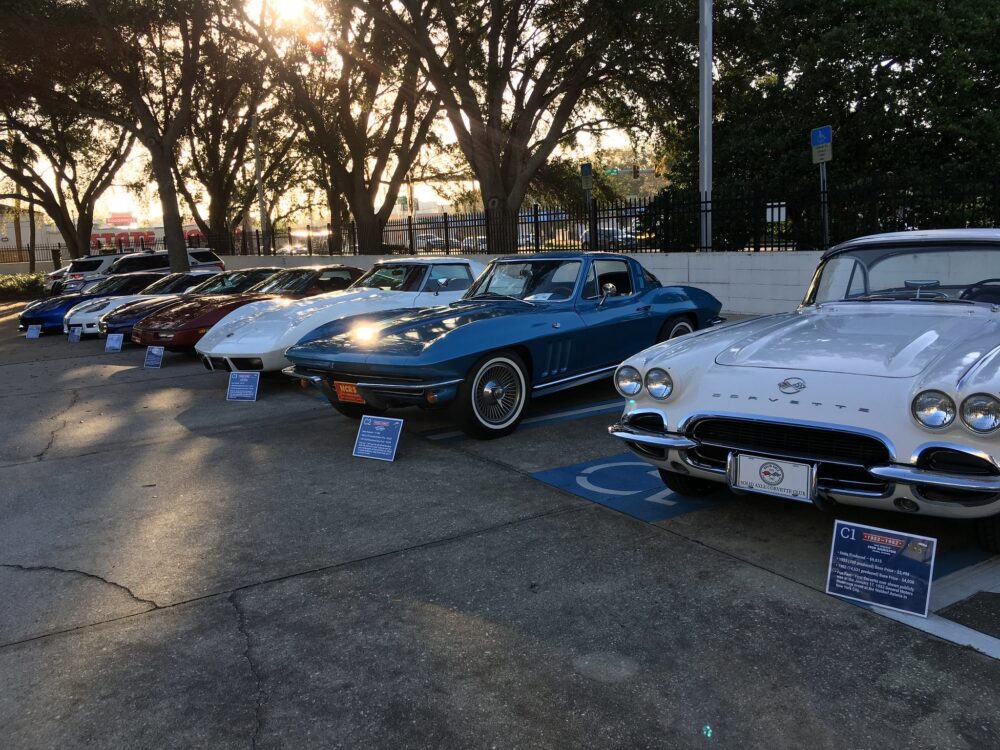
(882, 390)
(260, 332)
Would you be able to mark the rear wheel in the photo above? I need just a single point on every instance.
(989, 533)
(492, 399)
(679, 325)
(686, 485)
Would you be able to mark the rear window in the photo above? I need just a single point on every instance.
(84, 265)
(139, 263)
(205, 256)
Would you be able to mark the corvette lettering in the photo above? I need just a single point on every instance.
(791, 401)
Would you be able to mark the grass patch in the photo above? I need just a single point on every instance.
(16, 286)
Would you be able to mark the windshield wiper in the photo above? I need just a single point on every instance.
(497, 295)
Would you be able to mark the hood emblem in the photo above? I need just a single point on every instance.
(792, 385)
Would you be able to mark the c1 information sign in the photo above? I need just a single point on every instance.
(878, 566)
(378, 437)
(243, 386)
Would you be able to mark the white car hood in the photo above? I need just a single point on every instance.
(261, 325)
(897, 340)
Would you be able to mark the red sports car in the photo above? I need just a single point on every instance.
(182, 324)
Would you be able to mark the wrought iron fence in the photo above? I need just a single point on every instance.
(746, 218)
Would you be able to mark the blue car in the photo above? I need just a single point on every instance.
(529, 326)
(49, 312)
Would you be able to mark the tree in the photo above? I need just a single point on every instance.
(63, 164)
(516, 78)
(361, 100)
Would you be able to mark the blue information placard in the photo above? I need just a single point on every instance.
(378, 437)
(114, 342)
(883, 567)
(154, 357)
(33, 332)
(75, 334)
(243, 386)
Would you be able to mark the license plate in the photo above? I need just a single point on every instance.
(767, 476)
(347, 392)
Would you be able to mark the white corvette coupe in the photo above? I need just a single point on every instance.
(261, 331)
(882, 390)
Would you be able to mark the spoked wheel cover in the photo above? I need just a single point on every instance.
(498, 393)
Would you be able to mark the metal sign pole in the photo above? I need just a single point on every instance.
(705, 120)
(824, 208)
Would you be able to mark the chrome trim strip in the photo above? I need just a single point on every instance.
(688, 419)
(911, 475)
(551, 383)
(635, 435)
(975, 453)
(406, 387)
(976, 366)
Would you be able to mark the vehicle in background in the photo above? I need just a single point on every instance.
(86, 315)
(255, 336)
(438, 244)
(292, 250)
(423, 241)
(608, 238)
(180, 325)
(530, 325)
(125, 317)
(881, 391)
(474, 244)
(48, 312)
(85, 272)
(53, 281)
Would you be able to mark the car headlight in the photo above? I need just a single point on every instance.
(659, 384)
(981, 412)
(934, 409)
(628, 381)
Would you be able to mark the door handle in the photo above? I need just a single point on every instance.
(644, 308)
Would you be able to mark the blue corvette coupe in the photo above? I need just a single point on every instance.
(530, 325)
(49, 312)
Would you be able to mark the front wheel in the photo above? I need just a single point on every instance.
(989, 533)
(686, 485)
(492, 399)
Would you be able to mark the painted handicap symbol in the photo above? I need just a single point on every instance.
(583, 480)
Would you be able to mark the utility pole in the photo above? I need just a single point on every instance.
(258, 169)
(705, 120)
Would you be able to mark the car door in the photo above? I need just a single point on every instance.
(459, 279)
(616, 323)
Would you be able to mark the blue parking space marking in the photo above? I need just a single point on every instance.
(539, 420)
(624, 484)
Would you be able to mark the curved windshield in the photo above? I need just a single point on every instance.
(173, 283)
(969, 273)
(123, 284)
(233, 282)
(528, 280)
(392, 277)
(286, 282)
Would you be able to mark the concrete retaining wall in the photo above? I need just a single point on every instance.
(745, 283)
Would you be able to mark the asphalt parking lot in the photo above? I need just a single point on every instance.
(177, 570)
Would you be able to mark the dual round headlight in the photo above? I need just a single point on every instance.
(936, 410)
(629, 382)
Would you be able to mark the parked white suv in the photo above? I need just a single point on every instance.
(85, 272)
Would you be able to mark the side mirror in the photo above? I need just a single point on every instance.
(442, 284)
(607, 290)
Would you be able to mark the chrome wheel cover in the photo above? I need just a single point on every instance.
(498, 393)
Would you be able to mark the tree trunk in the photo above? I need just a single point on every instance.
(219, 237)
(31, 237)
(501, 227)
(369, 227)
(173, 228)
(17, 229)
(84, 228)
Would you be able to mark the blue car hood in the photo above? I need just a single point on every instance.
(54, 303)
(406, 334)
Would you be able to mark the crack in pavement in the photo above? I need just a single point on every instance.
(53, 569)
(262, 697)
(55, 431)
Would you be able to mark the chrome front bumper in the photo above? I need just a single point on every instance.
(379, 394)
(903, 479)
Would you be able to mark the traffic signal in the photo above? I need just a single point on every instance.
(635, 171)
